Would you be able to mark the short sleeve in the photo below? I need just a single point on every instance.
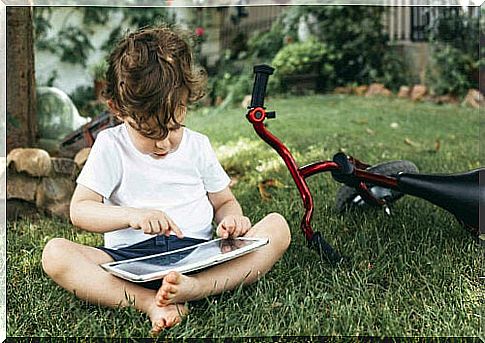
(102, 171)
(214, 177)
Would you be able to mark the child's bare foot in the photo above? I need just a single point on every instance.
(166, 317)
(176, 288)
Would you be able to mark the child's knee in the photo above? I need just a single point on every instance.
(54, 254)
(278, 226)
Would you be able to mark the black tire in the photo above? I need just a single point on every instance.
(348, 198)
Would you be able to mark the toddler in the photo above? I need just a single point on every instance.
(151, 185)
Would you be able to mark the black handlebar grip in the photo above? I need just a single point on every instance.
(262, 72)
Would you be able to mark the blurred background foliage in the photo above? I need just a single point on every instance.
(73, 42)
(455, 60)
(333, 45)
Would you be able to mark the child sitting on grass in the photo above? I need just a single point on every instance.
(152, 185)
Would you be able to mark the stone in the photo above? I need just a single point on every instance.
(81, 157)
(63, 166)
(342, 90)
(246, 101)
(404, 92)
(474, 99)
(377, 89)
(21, 186)
(429, 98)
(59, 209)
(17, 208)
(54, 190)
(446, 99)
(54, 195)
(418, 92)
(360, 90)
(35, 162)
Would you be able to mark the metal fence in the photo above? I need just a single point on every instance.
(412, 23)
(404, 21)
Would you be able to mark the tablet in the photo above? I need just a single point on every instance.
(185, 260)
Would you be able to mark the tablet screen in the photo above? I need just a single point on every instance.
(184, 257)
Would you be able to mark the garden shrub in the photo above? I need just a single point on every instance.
(85, 100)
(356, 34)
(450, 72)
(455, 59)
(299, 57)
(265, 45)
(394, 71)
(232, 83)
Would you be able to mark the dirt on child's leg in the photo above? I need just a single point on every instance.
(75, 267)
(178, 288)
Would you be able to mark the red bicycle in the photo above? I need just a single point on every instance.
(369, 185)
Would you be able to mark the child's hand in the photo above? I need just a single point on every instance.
(233, 226)
(154, 222)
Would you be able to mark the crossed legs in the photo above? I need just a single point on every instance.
(75, 267)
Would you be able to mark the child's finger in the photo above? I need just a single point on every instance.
(237, 228)
(230, 225)
(246, 225)
(175, 228)
(221, 231)
(164, 227)
(155, 226)
(146, 227)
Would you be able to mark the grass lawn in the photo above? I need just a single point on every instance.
(415, 273)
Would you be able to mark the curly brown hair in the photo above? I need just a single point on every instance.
(151, 78)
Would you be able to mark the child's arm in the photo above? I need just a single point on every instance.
(228, 214)
(90, 213)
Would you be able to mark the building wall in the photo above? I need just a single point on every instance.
(70, 76)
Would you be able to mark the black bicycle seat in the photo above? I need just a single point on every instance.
(460, 194)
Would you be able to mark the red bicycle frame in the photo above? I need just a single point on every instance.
(460, 194)
(257, 115)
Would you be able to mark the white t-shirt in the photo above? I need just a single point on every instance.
(177, 184)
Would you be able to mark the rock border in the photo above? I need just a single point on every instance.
(36, 178)
(415, 93)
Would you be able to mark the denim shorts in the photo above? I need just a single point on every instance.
(154, 245)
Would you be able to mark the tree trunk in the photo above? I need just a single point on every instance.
(21, 100)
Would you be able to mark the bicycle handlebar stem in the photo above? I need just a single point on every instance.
(256, 115)
(262, 73)
(299, 180)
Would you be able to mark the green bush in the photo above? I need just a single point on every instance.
(298, 58)
(310, 57)
(450, 71)
(356, 32)
(84, 99)
(394, 71)
(347, 46)
(265, 45)
(455, 58)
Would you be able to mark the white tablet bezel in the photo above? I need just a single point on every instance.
(111, 266)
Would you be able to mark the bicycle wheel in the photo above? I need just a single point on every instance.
(348, 197)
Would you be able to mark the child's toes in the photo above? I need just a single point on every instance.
(158, 327)
(160, 298)
(172, 321)
(172, 278)
(169, 289)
